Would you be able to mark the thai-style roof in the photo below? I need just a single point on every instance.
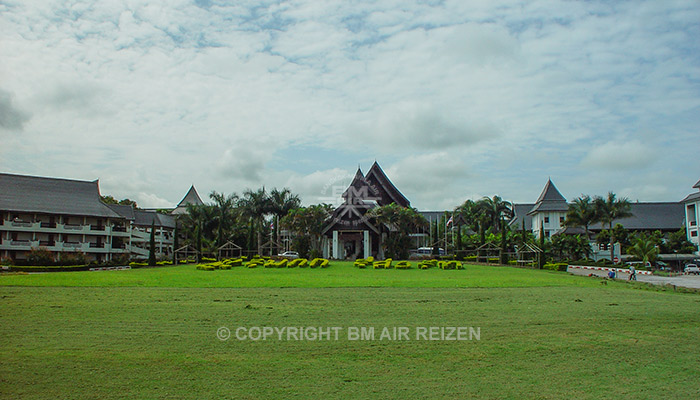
(663, 216)
(697, 185)
(192, 197)
(361, 189)
(388, 192)
(126, 211)
(520, 214)
(147, 218)
(550, 200)
(34, 194)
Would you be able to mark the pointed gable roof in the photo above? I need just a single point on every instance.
(192, 197)
(697, 185)
(388, 192)
(550, 200)
(356, 188)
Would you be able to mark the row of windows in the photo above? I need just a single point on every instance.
(561, 220)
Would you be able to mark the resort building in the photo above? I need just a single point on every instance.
(67, 216)
(549, 211)
(691, 206)
(350, 234)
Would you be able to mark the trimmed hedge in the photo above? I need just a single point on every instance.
(403, 265)
(49, 268)
(555, 266)
(319, 262)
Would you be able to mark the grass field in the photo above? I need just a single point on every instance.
(151, 334)
(340, 274)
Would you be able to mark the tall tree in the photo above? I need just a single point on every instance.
(608, 210)
(308, 222)
(152, 245)
(498, 210)
(401, 221)
(255, 206)
(225, 207)
(582, 212)
(281, 203)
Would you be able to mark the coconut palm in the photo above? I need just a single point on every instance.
(255, 206)
(498, 210)
(281, 203)
(610, 209)
(582, 212)
(644, 249)
(225, 207)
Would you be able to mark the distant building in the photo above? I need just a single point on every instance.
(692, 215)
(61, 215)
(350, 234)
(549, 211)
(548, 214)
(192, 197)
(67, 216)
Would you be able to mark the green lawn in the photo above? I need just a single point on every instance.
(339, 274)
(151, 334)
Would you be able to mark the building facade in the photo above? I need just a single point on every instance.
(67, 216)
(350, 234)
(691, 206)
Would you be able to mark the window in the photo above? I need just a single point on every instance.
(693, 233)
(546, 220)
(561, 220)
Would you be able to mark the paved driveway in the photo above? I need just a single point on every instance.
(689, 281)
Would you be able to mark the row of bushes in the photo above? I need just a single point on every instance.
(425, 264)
(265, 262)
(141, 264)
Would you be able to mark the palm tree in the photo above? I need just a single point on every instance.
(645, 249)
(582, 212)
(281, 203)
(498, 210)
(401, 222)
(225, 207)
(255, 205)
(610, 209)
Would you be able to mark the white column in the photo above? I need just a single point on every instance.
(367, 244)
(336, 246)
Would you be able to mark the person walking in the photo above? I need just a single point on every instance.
(633, 273)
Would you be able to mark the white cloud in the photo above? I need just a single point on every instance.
(207, 93)
(620, 155)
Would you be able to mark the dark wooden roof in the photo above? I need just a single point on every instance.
(550, 200)
(388, 192)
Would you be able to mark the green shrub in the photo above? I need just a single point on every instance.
(208, 259)
(361, 263)
(135, 264)
(269, 264)
(281, 263)
(303, 263)
(40, 256)
(403, 265)
(319, 262)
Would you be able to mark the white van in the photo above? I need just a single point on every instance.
(638, 264)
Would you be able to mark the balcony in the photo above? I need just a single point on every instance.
(72, 245)
(97, 245)
(48, 225)
(20, 242)
(72, 227)
(97, 227)
(47, 243)
(118, 228)
(21, 224)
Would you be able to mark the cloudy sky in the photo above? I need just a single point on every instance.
(455, 99)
